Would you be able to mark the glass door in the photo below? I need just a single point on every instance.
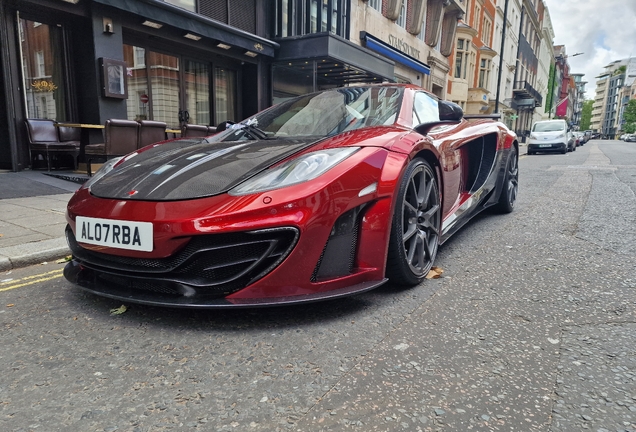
(224, 95)
(177, 90)
(41, 48)
(165, 88)
(138, 103)
(197, 92)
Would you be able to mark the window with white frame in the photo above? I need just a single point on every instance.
(376, 4)
(484, 73)
(139, 58)
(486, 31)
(477, 17)
(461, 58)
(39, 63)
(401, 21)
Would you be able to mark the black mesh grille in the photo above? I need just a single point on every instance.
(214, 9)
(216, 264)
(243, 15)
(339, 254)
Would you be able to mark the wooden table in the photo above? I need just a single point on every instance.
(80, 125)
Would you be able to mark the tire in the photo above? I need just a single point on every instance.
(508, 196)
(530, 153)
(415, 225)
(565, 150)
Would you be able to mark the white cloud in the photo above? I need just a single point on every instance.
(604, 30)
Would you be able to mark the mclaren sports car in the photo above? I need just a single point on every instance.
(320, 196)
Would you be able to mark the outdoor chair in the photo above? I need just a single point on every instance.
(192, 130)
(47, 141)
(151, 132)
(121, 138)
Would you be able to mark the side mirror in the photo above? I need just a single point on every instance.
(449, 113)
(223, 125)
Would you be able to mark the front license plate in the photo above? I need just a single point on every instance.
(114, 233)
(545, 145)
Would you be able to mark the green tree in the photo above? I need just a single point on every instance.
(550, 94)
(586, 114)
(629, 116)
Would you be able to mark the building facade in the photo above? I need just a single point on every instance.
(577, 109)
(204, 61)
(612, 96)
(87, 61)
(417, 35)
(471, 74)
(526, 96)
(503, 83)
(546, 67)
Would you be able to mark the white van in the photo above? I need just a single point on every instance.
(550, 136)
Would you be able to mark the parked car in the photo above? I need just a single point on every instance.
(588, 135)
(630, 138)
(551, 136)
(580, 138)
(321, 196)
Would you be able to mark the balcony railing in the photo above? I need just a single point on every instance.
(525, 90)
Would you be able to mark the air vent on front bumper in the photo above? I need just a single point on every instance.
(338, 256)
(209, 265)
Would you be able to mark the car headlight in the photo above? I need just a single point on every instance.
(105, 169)
(561, 135)
(298, 170)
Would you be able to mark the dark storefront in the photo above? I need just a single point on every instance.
(178, 67)
(174, 61)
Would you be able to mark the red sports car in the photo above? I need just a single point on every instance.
(321, 196)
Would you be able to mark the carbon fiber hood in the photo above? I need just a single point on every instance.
(187, 169)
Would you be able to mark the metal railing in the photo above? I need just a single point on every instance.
(525, 87)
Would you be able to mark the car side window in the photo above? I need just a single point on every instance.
(425, 109)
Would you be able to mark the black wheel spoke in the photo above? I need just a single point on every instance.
(416, 225)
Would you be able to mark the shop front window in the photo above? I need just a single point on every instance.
(137, 105)
(225, 95)
(164, 87)
(43, 72)
(178, 90)
(197, 81)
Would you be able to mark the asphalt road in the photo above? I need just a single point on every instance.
(532, 327)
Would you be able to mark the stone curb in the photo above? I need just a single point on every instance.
(24, 255)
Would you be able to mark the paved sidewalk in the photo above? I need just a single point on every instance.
(32, 222)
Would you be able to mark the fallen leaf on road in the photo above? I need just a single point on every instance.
(10, 305)
(118, 311)
(435, 273)
(63, 260)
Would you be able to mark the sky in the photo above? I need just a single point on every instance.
(604, 30)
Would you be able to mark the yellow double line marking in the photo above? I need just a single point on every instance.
(30, 280)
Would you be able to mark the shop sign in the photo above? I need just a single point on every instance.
(400, 45)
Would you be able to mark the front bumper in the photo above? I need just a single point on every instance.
(550, 146)
(310, 242)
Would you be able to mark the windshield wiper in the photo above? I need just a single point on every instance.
(255, 132)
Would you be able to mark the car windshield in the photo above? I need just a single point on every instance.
(556, 126)
(322, 114)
